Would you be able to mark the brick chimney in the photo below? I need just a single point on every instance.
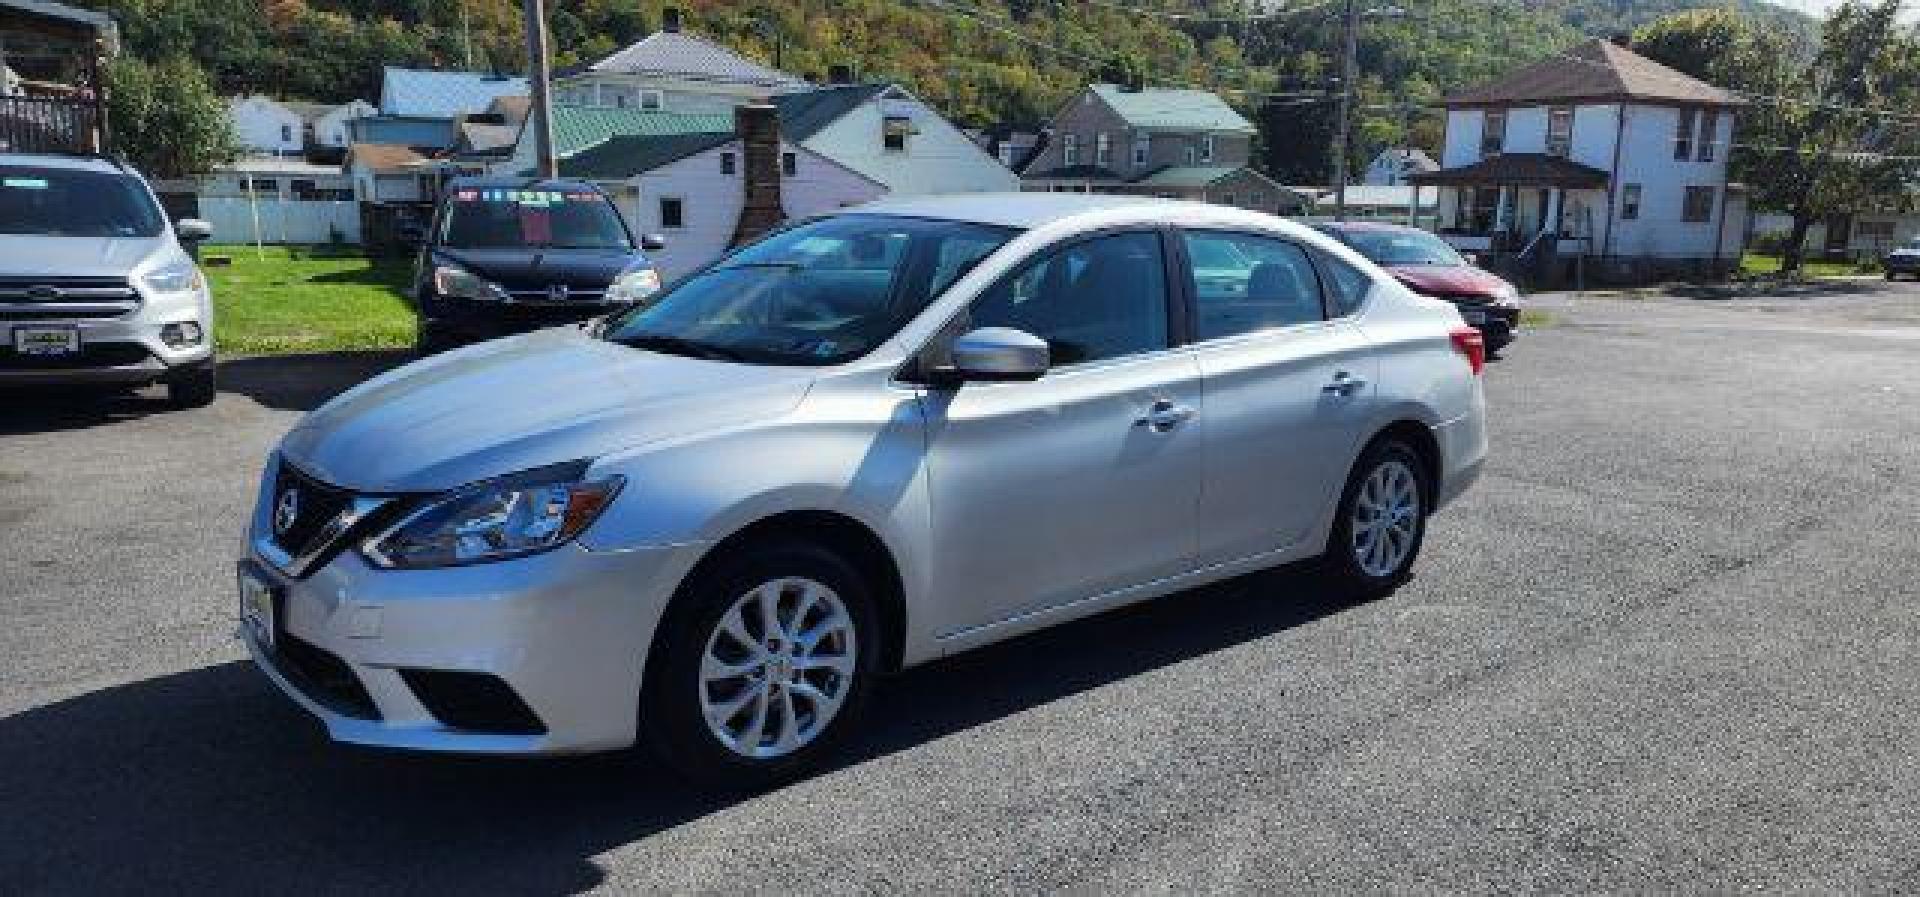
(758, 125)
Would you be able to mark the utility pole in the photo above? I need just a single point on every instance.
(541, 115)
(1343, 138)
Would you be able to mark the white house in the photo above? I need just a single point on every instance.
(265, 125)
(390, 173)
(1596, 152)
(1391, 167)
(673, 71)
(330, 126)
(891, 137)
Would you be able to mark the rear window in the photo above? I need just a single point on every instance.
(62, 202)
(556, 219)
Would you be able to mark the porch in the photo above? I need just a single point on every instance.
(52, 77)
(1530, 216)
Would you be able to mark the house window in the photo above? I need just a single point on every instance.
(1709, 133)
(671, 212)
(789, 164)
(1006, 154)
(652, 100)
(1193, 153)
(1206, 147)
(1630, 202)
(1493, 132)
(893, 132)
(1559, 132)
(726, 163)
(1257, 199)
(286, 133)
(1698, 206)
(1226, 199)
(1102, 149)
(1142, 144)
(1683, 136)
(1070, 150)
(260, 185)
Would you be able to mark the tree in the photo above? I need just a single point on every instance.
(166, 119)
(1825, 133)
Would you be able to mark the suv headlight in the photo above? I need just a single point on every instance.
(634, 284)
(459, 283)
(179, 277)
(507, 517)
(1507, 296)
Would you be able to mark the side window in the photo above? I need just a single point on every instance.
(1097, 299)
(1243, 283)
(1347, 286)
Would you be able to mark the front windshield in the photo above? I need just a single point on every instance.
(1403, 247)
(499, 218)
(821, 292)
(63, 202)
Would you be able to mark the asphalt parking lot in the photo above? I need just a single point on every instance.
(1672, 641)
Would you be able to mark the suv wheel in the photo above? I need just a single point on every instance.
(193, 387)
(761, 666)
(1382, 521)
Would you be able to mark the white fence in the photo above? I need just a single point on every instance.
(278, 220)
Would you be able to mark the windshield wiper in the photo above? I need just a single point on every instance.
(678, 345)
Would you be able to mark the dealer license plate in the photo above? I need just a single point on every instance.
(46, 340)
(257, 607)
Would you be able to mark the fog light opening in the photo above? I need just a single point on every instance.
(181, 335)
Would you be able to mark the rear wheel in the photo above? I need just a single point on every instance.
(194, 387)
(761, 666)
(1382, 521)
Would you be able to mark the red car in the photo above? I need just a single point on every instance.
(1428, 266)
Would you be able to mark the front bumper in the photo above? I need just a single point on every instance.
(125, 350)
(465, 320)
(1497, 325)
(566, 631)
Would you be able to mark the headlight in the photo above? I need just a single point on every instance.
(512, 516)
(634, 284)
(459, 283)
(1507, 296)
(178, 277)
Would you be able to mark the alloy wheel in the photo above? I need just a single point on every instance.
(777, 667)
(1386, 519)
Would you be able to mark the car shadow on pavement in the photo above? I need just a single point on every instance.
(1764, 288)
(209, 780)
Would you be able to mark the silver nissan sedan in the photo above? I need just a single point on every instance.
(864, 442)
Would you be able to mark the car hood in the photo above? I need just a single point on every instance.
(538, 268)
(523, 402)
(32, 255)
(1451, 281)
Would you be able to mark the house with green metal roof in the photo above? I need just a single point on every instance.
(1180, 144)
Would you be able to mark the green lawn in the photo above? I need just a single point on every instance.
(1752, 263)
(307, 299)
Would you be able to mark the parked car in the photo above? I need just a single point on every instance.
(509, 255)
(1428, 266)
(1903, 260)
(95, 286)
(867, 441)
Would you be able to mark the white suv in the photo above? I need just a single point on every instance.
(94, 285)
(865, 442)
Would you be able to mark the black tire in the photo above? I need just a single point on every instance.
(1340, 563)
(672, 722)
(195, 387)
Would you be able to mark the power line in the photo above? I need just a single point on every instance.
(1283, 12)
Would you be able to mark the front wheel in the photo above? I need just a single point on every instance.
(761, 665)
(1382, 521)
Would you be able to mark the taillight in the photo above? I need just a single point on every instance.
(1468, 341)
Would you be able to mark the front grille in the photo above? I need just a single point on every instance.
(91, 355)
(313, 504)
(476, 702)
(323, 676)
(30, 298)
(574, 296)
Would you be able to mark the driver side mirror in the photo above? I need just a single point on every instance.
(193, 230)
(999, 355)
(652, 242)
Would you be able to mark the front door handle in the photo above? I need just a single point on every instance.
(1344, 384)
(1164, 416)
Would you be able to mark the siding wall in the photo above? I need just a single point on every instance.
(939, 159)
(332, 128)
(257, 122)
(677, 95)
(1646, 158)
(1087, 117)
(711, 201)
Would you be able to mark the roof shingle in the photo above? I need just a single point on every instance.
(1596, 70)
(433, 94)
(576, 128)
(1515, 170)
(1158, 109)
(683, 55)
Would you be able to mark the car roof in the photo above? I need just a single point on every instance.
(1027, 210)
(1365, 226)
(485, 182)
(74, 162)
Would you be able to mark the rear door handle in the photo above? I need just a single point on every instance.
(1344, 384)
(1164, 416)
